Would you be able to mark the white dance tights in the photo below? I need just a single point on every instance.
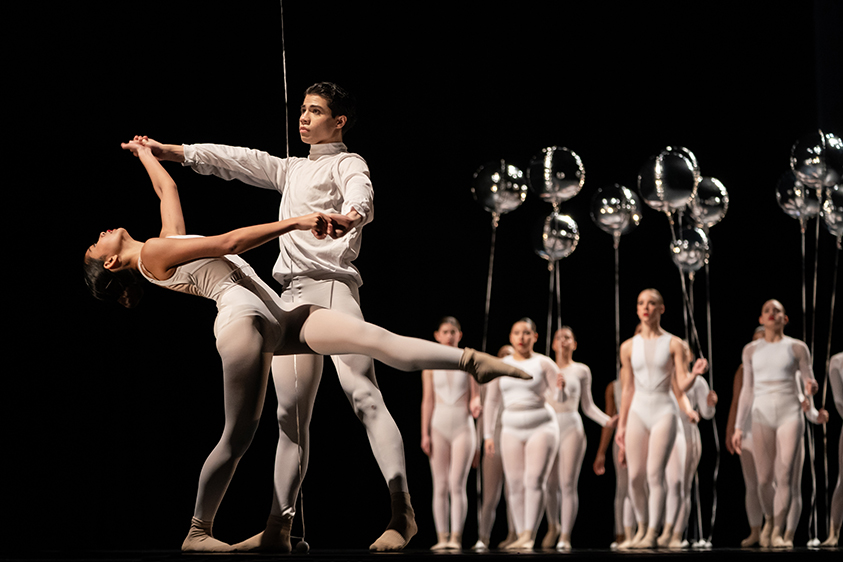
(647, 455)
(624, 514)
(562, 497)
(775, 452)
(754, 513)
(527, 465)
(450, 463)
(678, 509)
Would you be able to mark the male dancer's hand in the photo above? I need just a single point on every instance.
(342, 224)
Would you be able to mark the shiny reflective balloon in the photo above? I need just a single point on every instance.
(648, 187)
(817, 159)
(556, 174)
(499, 187)
(559, 237)
(832, 210)
(668, 181)
(615, 209)
(710, 203)
(690, 250)
(796, 199)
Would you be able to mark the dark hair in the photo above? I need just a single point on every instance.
(530, 323)
(566, 327)
(340, 101)
(122, 286)
(449, 320)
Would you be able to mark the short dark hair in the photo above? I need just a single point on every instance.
(340, 101)
(122, 286)
(449, 320)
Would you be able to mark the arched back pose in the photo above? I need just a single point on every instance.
(684, 460)
(250, 327)
(769, 395)
(529, 432)
(450, 403)
(336, 182)
(652, 367)
(492, 480)
(835, 379)
(562, 496)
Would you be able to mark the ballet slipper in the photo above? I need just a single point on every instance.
(667, 533)
(523, 542)
(752, 539)
(634, 539)
(833, 535)
(623, 541)
(776, 539)
(676, 542)
(552, 536)
(766, 534)
(482, 545)
(455, 542)
(510, 538)
(201, 539)
(649, 540)
(484, 368)
(441, 542)
(564, 544)
(275, 538)
(788, 538)
(402, 526)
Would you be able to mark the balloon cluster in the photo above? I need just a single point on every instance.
(814, 184)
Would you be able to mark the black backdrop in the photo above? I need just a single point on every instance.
(109, 414)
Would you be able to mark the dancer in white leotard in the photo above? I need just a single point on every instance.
(835, 379)
(769, 395)
(562, 495)
(683, 462)
(450, 403)
(251, 326)
(529, 432)
(652, 367)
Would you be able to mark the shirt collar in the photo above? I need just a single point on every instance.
(319, 150)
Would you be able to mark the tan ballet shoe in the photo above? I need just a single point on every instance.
(552, 537)
(401, 528)
(676, 542)
(752, 539)
(455, 542)
(649, 540)
(484, 368)
(764, 540)
(667, 533)
(200, 538)
(523, 542)
(441, 542)
(776, 539)
(510, 538)
(274, 539)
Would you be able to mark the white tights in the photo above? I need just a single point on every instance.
(754, 513)
(527, 464)
(775, 452)
(647, 454)
(450, 462)
(680, 477)
(562, 497)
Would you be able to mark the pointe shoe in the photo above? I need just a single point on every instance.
(551, 537)
(484, 368)
(275, 538)
(752, 539)
(401, 528)
(764, 539)
(523, 542)
(200, 538)
(510, 538)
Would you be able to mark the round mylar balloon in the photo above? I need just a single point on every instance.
(556, 174)
(615, 209)
(690, 250)
(677, 175)
(832, 209)
(559, 237)
(710, 203)
(499, 187)
(796, 199)
(648, 187)
(807, 159)
(833, 160)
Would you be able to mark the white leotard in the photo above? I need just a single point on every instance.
(652, 368)
(451, 415)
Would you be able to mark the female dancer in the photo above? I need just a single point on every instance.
(250, 326)
(562, 496)
(769, 394)
(450, 399)
(684, 460)
(529, 432)
(652, 366)
(835, 378)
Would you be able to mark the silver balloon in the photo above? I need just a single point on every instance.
(833, 160)
(817, 159)
(556, 174)
(559, 237)
(832, 210)
(710, 203)
(499, 187)
(690, 250)
(796, 199)
(616, 209)
(667, 182)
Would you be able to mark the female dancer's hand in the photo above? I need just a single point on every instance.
(736, 440)
(316, 223)
(475, 406)
(613, 421)
(711, 399)
(700, 367)
(425, 444)
(599, 465)
(693, 416)
(560, 381)
(135, 146)
(489, 446)
(822, 416)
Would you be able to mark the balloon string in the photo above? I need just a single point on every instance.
(552, 268)
(825, 383)
(284, 74)
(685, 295)
(489, 281)
(558, 301)
(617, 243)
(714, 479)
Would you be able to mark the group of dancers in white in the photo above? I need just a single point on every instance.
(533, 436)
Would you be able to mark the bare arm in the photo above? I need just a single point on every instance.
(599, 465)
(733, 408)
(627, 392)
(172, 218)
(426, 410)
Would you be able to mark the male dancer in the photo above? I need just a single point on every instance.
(318, 272)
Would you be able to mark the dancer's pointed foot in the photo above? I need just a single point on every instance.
(485, 368)
(200, 538)
(402, 526)
(275, 538)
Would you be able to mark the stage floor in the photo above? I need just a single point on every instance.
(361, 555)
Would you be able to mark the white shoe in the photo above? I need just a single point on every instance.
(480, 546)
